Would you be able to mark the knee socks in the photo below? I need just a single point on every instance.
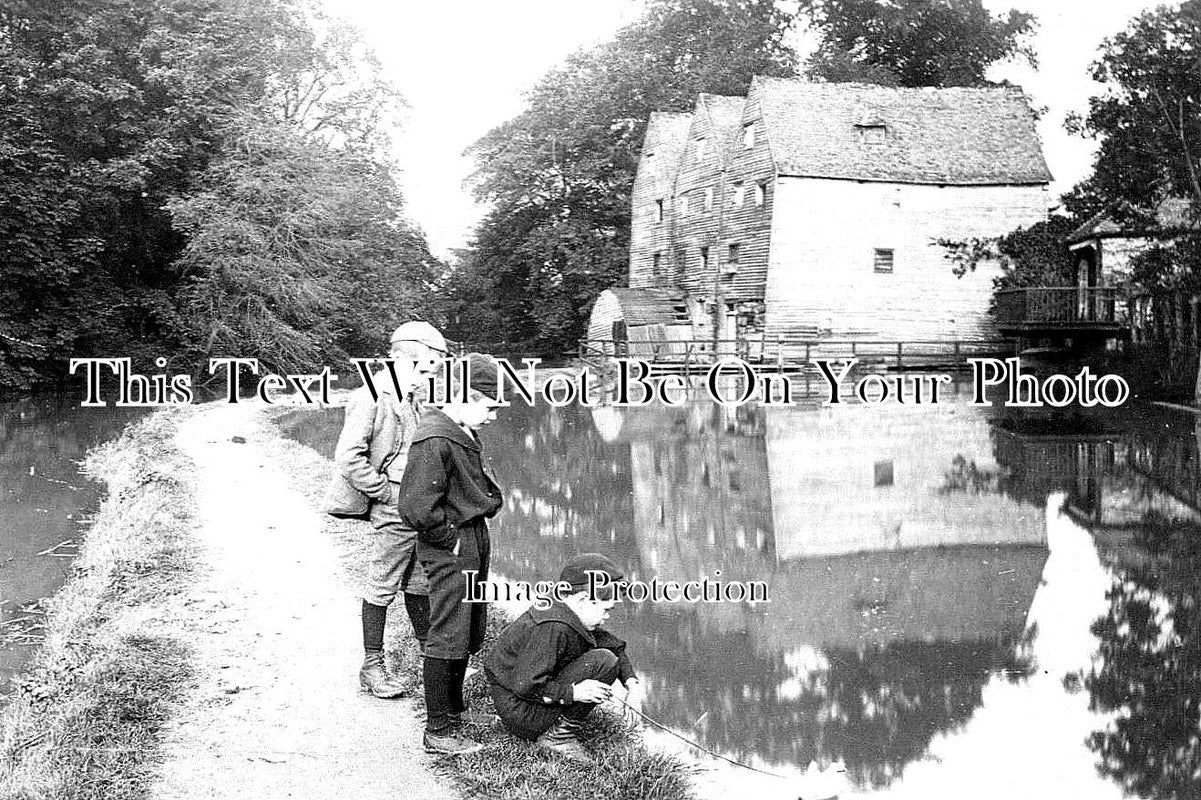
(373, 626)
(418, 608)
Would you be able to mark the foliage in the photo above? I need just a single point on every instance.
(914, 43)
(1031, 256)
(559, 176)
(1148, 119)
(1149, 670)
(295, 251)
(116, 108)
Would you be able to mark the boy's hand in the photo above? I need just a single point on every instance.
(590, 691)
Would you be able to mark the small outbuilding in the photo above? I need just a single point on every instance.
(638, 321)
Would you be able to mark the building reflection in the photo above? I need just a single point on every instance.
(892, 599)
(903, 548)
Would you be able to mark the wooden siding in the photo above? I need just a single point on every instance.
(824, 234)
(655, 180)
(699, 227)
(749, 225)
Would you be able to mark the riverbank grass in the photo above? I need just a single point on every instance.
(507, 767)
(86, 721)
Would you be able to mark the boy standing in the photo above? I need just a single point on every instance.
(446, 495)
(551, 667)
(370, 457)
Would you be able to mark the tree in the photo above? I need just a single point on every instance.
(914, 43)
(1148, 124)
(559, 176)
(119, 111)
(1148, 119)
(1031, 256)
(296, 251)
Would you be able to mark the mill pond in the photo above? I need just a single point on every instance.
(936, 574)
(958, 593)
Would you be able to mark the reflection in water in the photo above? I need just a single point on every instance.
(922, 615)
(41, 441)
(1150, 666)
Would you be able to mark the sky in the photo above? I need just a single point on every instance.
(463, 65)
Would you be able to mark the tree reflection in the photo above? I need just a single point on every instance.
(875, 708)
(1150, 669)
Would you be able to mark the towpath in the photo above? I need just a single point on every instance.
(273, 620)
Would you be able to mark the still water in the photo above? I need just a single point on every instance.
(963, 601)
(44, 503)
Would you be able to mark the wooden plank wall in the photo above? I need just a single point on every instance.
(655, 180)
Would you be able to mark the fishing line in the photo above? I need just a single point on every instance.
(699, 746)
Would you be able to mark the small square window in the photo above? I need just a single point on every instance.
(708, 198)
(684, 206)
(883, 473)
(702, 147)
(656, 265)
(705, 258)
(882, 261)
(748, 136)
(732, 260)
(738, 192)
(760, 193)
(658, 211)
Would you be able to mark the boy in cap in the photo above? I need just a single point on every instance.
(551, 667)
(370, 457)
(447, 495)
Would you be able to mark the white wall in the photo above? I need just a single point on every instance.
(821, 266)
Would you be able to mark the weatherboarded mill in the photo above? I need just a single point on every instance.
(813, 210)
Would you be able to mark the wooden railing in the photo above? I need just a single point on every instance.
(1057, 305)
(785, 353)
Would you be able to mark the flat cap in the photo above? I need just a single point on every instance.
(575, 571)
(420, 332)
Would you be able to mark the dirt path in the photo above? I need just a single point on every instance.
(277, 711)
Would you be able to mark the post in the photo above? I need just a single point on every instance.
(898, 355)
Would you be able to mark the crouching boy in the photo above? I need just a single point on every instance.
(551, 667)
(446, 495)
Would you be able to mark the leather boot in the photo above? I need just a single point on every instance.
(374, 678)
(564, 738)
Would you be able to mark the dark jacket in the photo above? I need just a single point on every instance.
(531, 651)
(445, 486)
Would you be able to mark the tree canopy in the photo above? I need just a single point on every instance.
(559, 176)
(1147, 120)
(119, 117)
(914, 43)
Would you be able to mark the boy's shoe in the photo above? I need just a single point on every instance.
(564, 739)
(449, 745)
(374, 678)
(468, 717)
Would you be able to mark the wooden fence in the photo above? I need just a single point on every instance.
(787, 355)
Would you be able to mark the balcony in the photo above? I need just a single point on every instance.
(1095, 311)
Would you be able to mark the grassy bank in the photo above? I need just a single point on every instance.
(624, 768)
(88, 715)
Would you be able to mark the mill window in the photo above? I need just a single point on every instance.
(882, 260)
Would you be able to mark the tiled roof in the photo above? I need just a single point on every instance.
(1172, 216)
(958, 136)
(648, 306)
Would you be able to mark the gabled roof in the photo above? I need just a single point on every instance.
(959, 136)
(725, 115)
(666, 137)
(1171, 217)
